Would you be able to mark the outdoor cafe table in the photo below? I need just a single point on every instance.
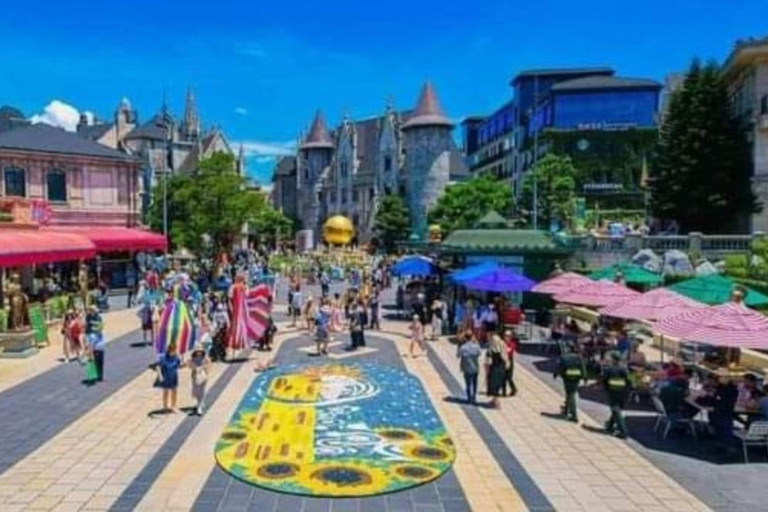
(743, 414)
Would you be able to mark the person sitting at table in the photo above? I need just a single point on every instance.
(749, 392)
(637, 360)
(673, 397)
(723, 402)
(762, 402)
(623, 344)
(673, 369)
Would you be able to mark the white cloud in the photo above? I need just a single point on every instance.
(241, 111)
(63, 115)
(265, 159)
(271, 149)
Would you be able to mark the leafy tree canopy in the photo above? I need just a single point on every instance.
(208, 209)
(701, 174)
(555, 179)
(463, 204)
(391, 222)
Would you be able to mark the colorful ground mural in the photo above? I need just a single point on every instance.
(335, 430)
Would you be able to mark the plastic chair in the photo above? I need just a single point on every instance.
(755, 435)
(668, 421)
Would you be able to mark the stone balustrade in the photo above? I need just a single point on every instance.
(708, 246)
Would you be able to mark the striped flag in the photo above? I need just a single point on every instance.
(238, 331)
(259, 305)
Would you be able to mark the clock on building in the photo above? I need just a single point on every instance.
(582, 144)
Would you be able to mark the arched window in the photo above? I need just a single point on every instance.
(56, 186)
(15, 179)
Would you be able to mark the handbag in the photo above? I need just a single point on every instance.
(91, 373)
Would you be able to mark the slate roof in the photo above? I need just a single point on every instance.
(155, 129)
(544, 72)
(94, 131)
(428, 111)
(194, 156)
(604, 82)
(49, 139)
(318, 134)
(499, 241)
(286, 166)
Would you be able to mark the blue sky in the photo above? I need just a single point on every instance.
(261, 69)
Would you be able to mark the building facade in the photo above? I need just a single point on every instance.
(588, 114)
(164, 144)
(746, 72)
(346, 171)
(81, 182)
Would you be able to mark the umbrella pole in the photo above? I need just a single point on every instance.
(661, 348)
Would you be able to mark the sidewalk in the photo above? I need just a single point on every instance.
(16, 371)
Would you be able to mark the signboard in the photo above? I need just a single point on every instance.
(24, 211)
(37, 321)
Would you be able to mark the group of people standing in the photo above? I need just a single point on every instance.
(498, 356)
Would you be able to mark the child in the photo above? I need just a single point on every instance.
(71, 332)
(200, 365)
(168, 377)
(417, 335)
(147, 316)
(94, 332)
(265, 343)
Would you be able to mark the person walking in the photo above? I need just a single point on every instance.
(356, 326)
(309, 313)
(131, 282)
(375, 310)
(71, 332)
(616, 384)
(297, 304)
(417, 335)
(438, 315)
(469, 361)
(571, 369)
(200, 365)
(168, 377)
(497, 361)
(322, 323)
(94, 333)
(511, 343)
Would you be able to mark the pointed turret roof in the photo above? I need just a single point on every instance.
(428, 111)
(318, 135)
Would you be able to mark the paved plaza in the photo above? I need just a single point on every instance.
(65, 446)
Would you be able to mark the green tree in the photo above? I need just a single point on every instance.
(208, 209)
(555, 178)
(270, 225)
(701, 174)
(463, 204)
(391, 221)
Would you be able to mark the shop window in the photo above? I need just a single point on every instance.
(56, 186)
(15, 182)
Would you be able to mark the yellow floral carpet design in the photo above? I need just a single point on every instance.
(335, 430)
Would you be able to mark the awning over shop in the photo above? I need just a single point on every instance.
(20, 247)
(114, 239)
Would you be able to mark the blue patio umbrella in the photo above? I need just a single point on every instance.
(473, 272)
(500, 280)
(414, 266)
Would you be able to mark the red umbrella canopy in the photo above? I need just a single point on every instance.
(727, 325)
(654, 305)
(597, 294)
(561, 284)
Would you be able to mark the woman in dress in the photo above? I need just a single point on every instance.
(497, 362)
(417, 335)
(309, 314)
(337, 314)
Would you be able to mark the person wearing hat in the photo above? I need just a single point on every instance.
(571, 369)
(94, 333)
(200, 365)
(616, 384)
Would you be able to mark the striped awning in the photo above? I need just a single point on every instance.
(727, 325)
(19, 247)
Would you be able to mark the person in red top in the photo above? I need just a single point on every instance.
(511, 342)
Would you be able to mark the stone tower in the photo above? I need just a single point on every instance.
(315, 152)
(191, 124)
(427, 144)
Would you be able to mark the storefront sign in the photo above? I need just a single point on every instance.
(24, 211)
(37, 321)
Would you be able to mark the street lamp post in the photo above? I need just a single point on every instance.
(535, 152)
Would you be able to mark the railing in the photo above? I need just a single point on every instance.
(692, 243)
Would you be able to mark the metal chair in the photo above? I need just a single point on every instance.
(668, 421)
(755, 435)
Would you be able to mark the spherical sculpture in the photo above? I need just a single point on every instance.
(338, 230)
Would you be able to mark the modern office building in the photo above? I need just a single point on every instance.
(746, 71)
(590, 114)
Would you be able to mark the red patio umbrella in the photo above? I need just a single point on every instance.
(654, 305)
(561, 284)
(727, 325)
(597, 294)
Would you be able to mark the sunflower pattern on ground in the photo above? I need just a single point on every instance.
(356, 429)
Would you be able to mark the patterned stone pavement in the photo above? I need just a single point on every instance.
(67, 447)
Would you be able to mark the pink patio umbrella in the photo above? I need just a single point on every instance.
(654, 305)
(727, 325)
(597, 294)
(561, 284)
